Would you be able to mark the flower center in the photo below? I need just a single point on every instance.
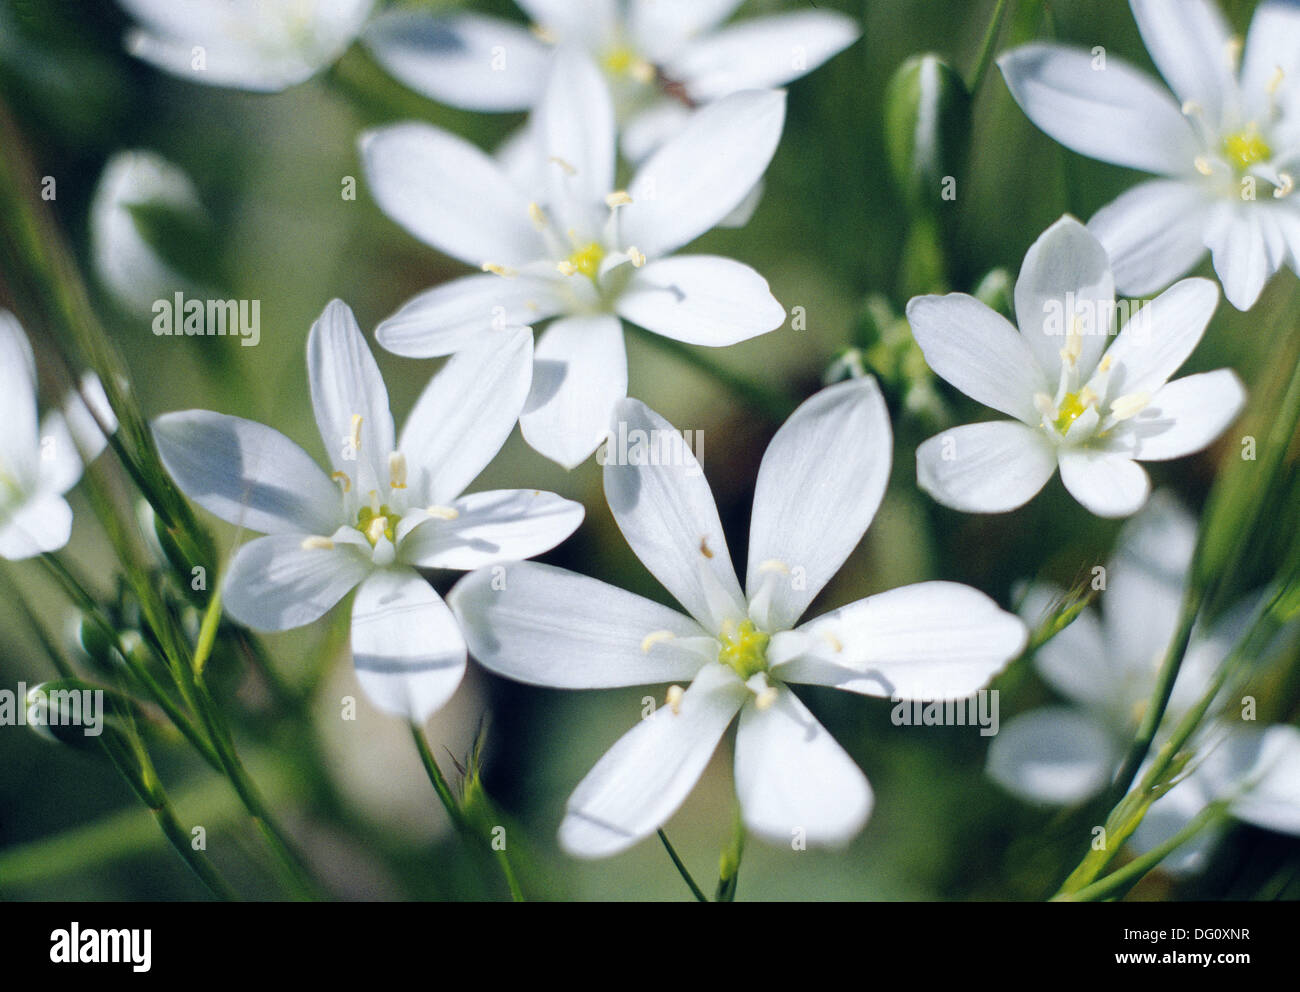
(622, 60)
(1070, 410)
(586, 259)
(376, 523)
(1246, 148)
(743, 648)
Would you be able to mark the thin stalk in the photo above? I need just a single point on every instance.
(696, 891)
(986, 48)
(729, 863)
(774, 405)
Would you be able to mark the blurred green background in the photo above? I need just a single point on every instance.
(829, 232)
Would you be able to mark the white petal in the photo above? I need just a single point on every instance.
(1065, 286)
(650, 128)
(247, 474)
(665, 509)
(1170, 814)
(84, 424)
(60, 464)
(449, 194)
(501, 525)
(547, 626)
(661, 27)
(1270, 45)
(1053, 755)
(587, 22)
(1272, 801)
(465, 414)
(1184, 417)
(466, 60)
(819, 486)
(645, 777)
(406, 646)
(40, 525)
(794, 780)
(1237, 240)
(1188, 41)
(275, 583)
(1116, 114)
(575, 125)
(1109, 485)
(761, 52)
(18, 440)
(985, 468)
(234, 65)
(1160, 337)
(579, 374)
(1076, 662)
(744, 211)
(447, 318)
(975, 349)
(701, 299)
(1153, 233)
(932, 640)
(703, 172)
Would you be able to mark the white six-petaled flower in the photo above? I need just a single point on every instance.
(391, 505)
(1226, 144)
(565, 243)
(820, 483)
(259, 45)
(1091, 404)
(40, 460)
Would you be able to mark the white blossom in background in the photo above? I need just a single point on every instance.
(660, 57)
(819, 485)
(124, 260)
(1225, 144)
(260, 45)
(568, 244)
(389, 506)
(1092, 404)
(41, 459)
(1105, 663)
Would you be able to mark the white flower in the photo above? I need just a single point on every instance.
(1106, 666)
(820, 483)
(40, 461)
(390, 506)
(568, 244)
(1093, 414)
(259, 45)
(661, 57)
(1226, 144)
(1255, 771)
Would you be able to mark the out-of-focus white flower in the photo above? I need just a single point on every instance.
(1106, 665)
(660, 57)
(41, 460)
(820, 483)
(1092, 405)
(259, 45)
(565, 243)
(1226, 143)
(390, 506)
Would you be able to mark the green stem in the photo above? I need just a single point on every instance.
(1131, 873)
(729, 863)
(986, 48)
(696, 891)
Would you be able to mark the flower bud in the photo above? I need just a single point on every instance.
(927, 124)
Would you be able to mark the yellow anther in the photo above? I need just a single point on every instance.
(537, 216)
(375, 506)
(774, 565)
(586, 260)
(1275, 82)
(1106, 362)
(1044, 405)
(1232, 49)
(568, 168)
(835, 643)
(377, 528)
(397, 470)
(674, 698)
(442, 512)
(1129, 405)
(499, 270)
(636, 257)
(356, 432)
(1203, 165)
(1246, 147)
(566, 268)
(341, 478)
(655, 637)
(765, 699)
(618, 198)
(1087, 397)
(1073, 347)
(1191, 108)
(315, 543)
(543, 34)
(1288, 185)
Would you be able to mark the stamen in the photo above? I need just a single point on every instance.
(1073, 346)
(442, 512)
(1232, 49)
(542, 34)
(1129, 405)
(499, 270)
(397, 470)
(836, 644)
(569, 170)
(774, 565)
(566, 268)
(618, 198)
(376, 529)
(765, 699)
(1288, 185)
(356, 432)
(1106, 362)
(1275, 83)
(1087, 397)
(341, 477)
(1044, 405)
(537, 216)
(375, 506)
(655, 637)
(674, 698)
(636, 257)
(316, 543)
(1203, 165)
(1192, 109)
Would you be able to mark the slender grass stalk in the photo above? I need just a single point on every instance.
(696, 891)
(987, 47)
